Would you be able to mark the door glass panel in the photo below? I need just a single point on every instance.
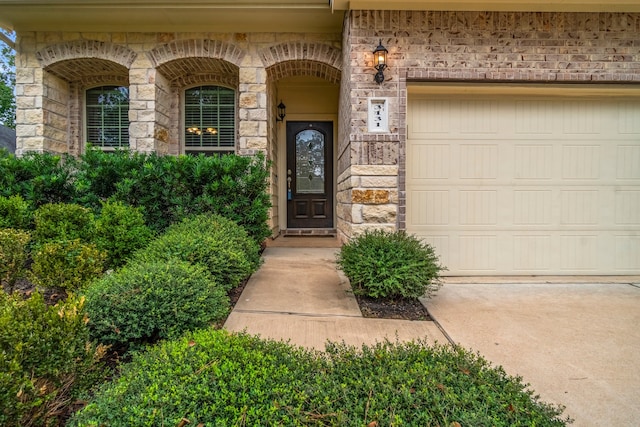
(310, 162)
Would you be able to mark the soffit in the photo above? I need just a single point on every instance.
(77, 69)
(492, 5)
(240, 16)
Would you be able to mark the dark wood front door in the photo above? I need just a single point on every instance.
(309, 175)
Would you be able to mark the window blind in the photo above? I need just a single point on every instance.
(210, 119)
(107, 116)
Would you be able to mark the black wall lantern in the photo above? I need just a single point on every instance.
(282, 112)
(380, 62)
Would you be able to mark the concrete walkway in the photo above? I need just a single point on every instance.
(299, 296)
(577, 344)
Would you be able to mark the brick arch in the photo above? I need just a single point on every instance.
(303, 68)
(106, 80)
(207, 79)
(195, 48)
(81, 69)
(192, 70)
(302, 51)
(86, 49)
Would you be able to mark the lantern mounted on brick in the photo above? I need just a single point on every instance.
(380, 62)
(282, 112)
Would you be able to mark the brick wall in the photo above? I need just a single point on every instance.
(463, 46)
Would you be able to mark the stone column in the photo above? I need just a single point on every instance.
(252, 107)
(29, 113)
(142, 105)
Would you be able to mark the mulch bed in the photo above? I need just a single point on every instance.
(387, 308)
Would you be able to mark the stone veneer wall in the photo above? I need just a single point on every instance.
(54, 69)
(460, 46)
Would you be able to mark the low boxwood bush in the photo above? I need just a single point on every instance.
(212, 378)
(15, 212)
(13, 256)
(66, 264)
(148, 301)
(63, 221)
(46, 359)
(120, 231)
(216, 243)
(385, 264)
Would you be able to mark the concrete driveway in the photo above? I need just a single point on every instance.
(577, 344)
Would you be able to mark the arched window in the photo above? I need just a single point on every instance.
(209, 120)
(107, 116)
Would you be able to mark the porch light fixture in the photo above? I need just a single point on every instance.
(380, 62)
(282, 112)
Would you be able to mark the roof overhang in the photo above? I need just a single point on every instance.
(237, 16)
(492, 5)
(245, 16)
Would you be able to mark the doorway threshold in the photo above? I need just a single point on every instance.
(320, 238)
(309, 232)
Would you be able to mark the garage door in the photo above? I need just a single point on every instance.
(518, 184)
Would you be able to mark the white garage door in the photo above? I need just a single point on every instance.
(523, 184)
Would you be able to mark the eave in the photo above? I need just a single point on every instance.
(240, 16)
(492, 5)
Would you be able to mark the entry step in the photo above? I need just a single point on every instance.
(318, 232)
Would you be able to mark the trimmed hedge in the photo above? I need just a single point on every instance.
(15, 212)
(385, 264)
(63, 221)
(120, 231)
(217, 243)
(67, 264)
(39, 178)
(174, 187)
(213, 378)
(13, 256)
(168, 188)
(149, 301)
(46, 359)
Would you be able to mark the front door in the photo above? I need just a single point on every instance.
(309, 175)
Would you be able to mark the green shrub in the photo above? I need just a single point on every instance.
(15, 212)
(212, 378)
(63, 221)
(383, 264)
(171, 188)
(120, 231)
(145, 302)
(168, 188)
(67, 264)
(217, 243)
(99, 172)
(46, 359)
(39, 178)
(13, 256)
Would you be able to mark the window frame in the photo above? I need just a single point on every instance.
(85, 119)
(207, 150)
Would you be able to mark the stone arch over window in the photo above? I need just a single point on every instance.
(302, 51)
(85, 50)
(176, 75)
(71, 68)
(194, 70)
(184, 49)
